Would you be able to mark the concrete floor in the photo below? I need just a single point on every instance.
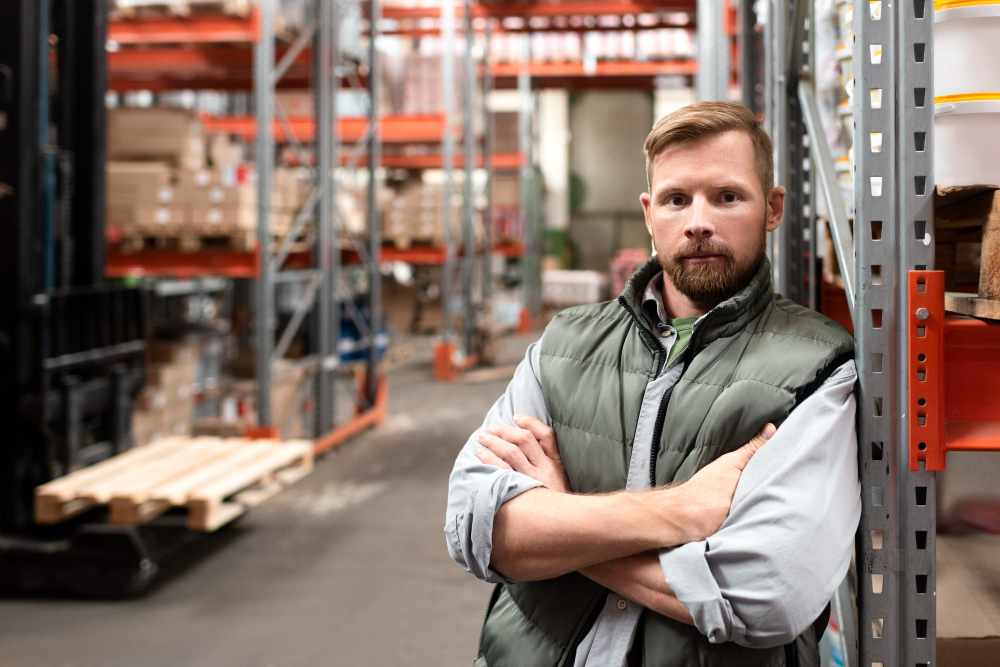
(348, 567)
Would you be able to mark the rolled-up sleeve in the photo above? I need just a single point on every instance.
(476, 491)
(773, 566)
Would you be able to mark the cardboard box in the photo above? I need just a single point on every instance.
(218, 195)
(968, 600)
(506, 190)
(174, 136)
(127, 175)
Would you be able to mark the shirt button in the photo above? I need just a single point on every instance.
(622, 605)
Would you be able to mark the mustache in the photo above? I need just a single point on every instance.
(702, 248)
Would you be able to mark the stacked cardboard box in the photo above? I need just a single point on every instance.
(174, 136)
(166, 405)
(417, 213)
(141, 198)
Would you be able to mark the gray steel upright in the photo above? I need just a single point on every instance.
(447, 161)
(264, 320)
(882, 575)
(326, 254)
(914, 169)
(489, 127)
(374, 215)
(796, 259)
(748, 55)
(778, 60)
(712, 80)
(468, 198)
(531, 264)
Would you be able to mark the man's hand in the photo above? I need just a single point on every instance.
(529, 448)
(708, 495)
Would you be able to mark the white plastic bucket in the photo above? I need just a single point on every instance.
(967, 140)
(966, 46)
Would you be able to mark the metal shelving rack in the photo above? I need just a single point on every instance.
(316, 48)
(890, 247)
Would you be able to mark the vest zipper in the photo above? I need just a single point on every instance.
(654, 449)
(661, 416)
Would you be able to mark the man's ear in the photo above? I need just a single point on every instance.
(775, 207)
(645, 200)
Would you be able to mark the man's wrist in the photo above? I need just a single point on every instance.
(669, 515)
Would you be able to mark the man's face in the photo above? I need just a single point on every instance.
(708, 215)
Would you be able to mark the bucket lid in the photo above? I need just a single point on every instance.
(965, 9)
(967, 103)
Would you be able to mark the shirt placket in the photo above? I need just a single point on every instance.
(611, 636)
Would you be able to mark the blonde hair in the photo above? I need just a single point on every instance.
(705, 119)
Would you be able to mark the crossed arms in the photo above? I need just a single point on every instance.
(758, 579)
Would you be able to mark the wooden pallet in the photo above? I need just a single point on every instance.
(973, 305)
(215, 479)
(240, 241)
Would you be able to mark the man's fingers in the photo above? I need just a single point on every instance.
(510, 454)
(523, 439)
(544, 434)
(746, 452)
(489, 458)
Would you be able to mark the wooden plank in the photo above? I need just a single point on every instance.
(66, 485)
(207, 516)
(281, 456)
(177, 491)
(972, 305)
(178, 462)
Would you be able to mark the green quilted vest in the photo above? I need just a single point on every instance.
(750, 361)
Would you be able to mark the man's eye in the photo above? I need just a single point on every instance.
(730, 197)
(676, 200)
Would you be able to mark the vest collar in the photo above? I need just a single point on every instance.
(726, 319)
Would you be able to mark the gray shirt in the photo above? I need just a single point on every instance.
(761, 579)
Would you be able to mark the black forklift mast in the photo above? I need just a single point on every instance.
(71, 343)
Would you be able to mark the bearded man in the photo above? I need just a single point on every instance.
(609, 492)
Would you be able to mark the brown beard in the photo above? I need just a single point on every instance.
(706, 284)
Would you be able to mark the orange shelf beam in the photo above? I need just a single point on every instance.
(611, 68)
(186, 30)
(361, 422)
(220, 263)
(501, 161)
(954, 377)
(427, 128)
(177, 264)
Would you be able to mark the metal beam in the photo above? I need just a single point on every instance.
(826, 175)
(374, 215)
(468, 211)
(264, 287)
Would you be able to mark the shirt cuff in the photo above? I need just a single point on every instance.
(506, 485)
(689, 576)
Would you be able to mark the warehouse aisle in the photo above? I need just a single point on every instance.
(347, 568)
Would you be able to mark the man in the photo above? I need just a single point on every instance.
(607, 492)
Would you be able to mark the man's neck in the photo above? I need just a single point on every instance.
(678, 305)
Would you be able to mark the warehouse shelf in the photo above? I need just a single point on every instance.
(501, 162)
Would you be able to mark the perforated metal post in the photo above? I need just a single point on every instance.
(914, 168)
(778, 61)
(374, 215)
(877, 326)
(324, 255)
(468, 192)
(447, 159)
(264, 320)
(795, 255)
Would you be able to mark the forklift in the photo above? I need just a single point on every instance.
(71, 342)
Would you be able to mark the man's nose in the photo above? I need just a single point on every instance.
(699, 224)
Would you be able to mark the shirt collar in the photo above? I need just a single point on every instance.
(652, 301)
